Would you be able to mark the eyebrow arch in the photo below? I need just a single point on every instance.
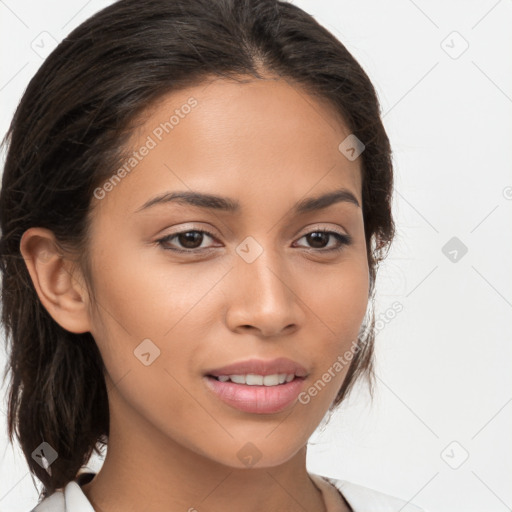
(226, 204)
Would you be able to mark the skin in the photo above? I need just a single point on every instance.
(173, 444)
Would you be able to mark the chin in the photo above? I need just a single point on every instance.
(257, 454)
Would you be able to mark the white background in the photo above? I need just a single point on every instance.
(443, 363)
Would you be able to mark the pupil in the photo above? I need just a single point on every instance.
(189, 239)
(317, 236)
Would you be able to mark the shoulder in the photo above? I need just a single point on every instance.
(53, 503)
(68, 499)
(365, 499)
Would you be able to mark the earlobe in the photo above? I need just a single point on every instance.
(53, 277)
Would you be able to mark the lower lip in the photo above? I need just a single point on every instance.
(256, 399)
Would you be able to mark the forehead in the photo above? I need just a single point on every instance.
(260, 140)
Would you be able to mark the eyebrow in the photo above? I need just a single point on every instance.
(229, 205)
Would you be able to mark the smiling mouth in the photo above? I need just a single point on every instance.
(252, 379)
(256, 394)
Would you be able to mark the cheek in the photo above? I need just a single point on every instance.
(145, 295)
(156, 312)
(339, 302)
(338, 298)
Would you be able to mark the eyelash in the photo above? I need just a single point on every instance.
(343, 240)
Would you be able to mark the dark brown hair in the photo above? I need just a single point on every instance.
(68, 135)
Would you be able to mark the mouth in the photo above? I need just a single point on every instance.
(251, 379)
(256, 386)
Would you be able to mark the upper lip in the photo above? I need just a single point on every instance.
(261, 367)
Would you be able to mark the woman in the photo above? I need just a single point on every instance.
(195, 200)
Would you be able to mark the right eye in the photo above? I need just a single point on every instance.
(191, 240)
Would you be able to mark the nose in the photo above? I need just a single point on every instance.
(263, 297)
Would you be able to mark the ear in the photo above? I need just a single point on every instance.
(65, 298)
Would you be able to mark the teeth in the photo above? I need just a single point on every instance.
(252, 379)
(237, 379)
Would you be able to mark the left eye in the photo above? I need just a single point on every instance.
(192, 240)
(319, 236)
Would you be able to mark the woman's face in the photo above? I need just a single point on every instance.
(264, 284)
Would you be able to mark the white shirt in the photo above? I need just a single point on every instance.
(361, 499)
